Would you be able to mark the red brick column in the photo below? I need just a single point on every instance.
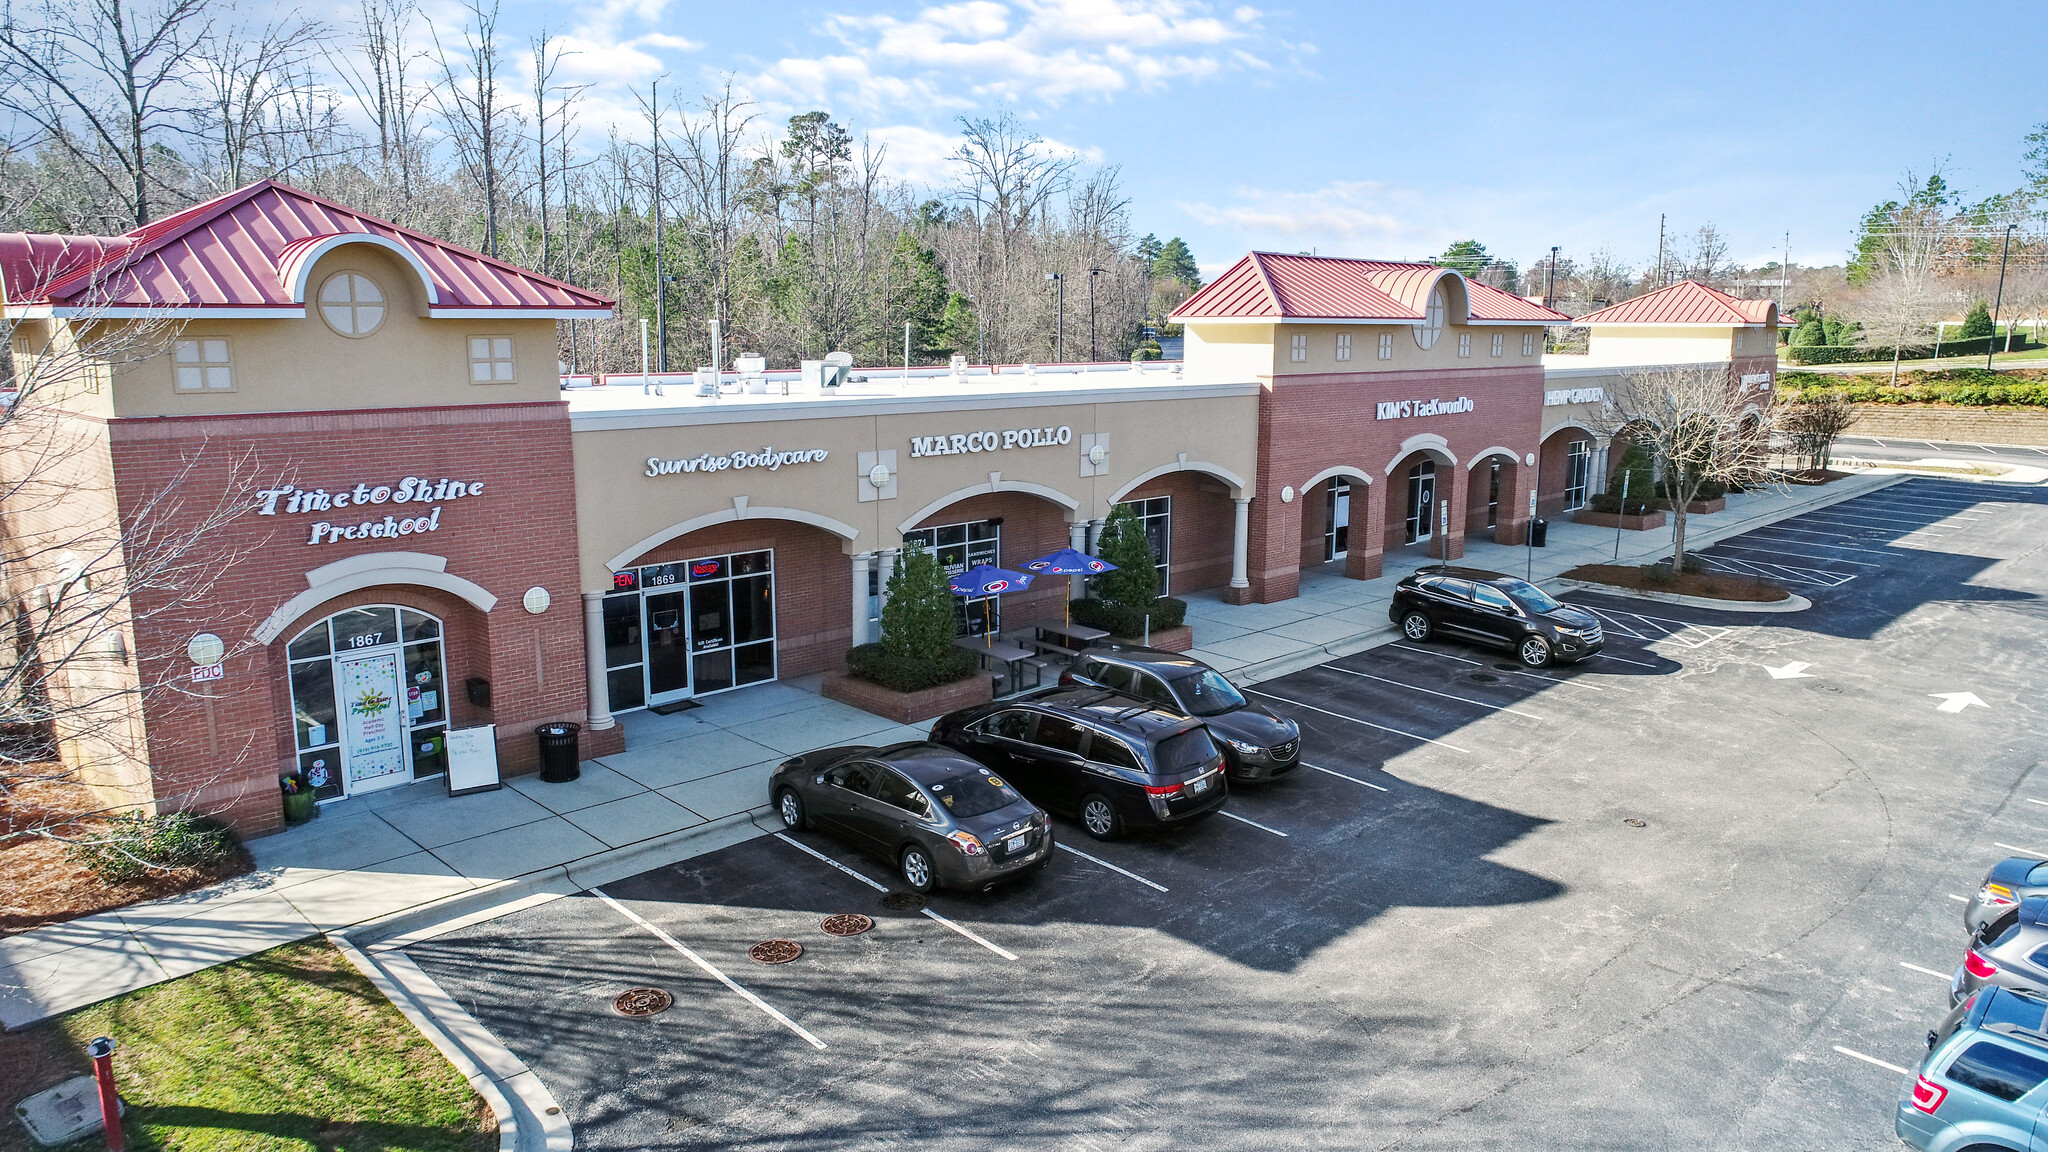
(1368, 528)
(1453, 544)
(1273, 555)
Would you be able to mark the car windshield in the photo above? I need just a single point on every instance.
(1207, 693)
(1528, 595)
(1185, 752)
(971, 794)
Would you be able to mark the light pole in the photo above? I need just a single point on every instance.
(1093, 355)
(1059, 281)
(1991, 346)
(1550, 284)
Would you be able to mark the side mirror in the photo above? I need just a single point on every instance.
(817, 780)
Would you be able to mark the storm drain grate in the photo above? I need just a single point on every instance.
(847, 924)
(775, 951)
(902, 902)
(1485, 678)
(641, 1001)
(1635, 823)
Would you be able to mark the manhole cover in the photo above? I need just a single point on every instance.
(847, 924)
(1635, 823)
(776, 951)
(902, 902)
(1509, 667)
(641, 1002)
(1486, 677)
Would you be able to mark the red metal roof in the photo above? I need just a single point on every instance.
(248, 252)
(1278, 286)
(1686, 302)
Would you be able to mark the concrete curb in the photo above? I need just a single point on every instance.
(1789, 604)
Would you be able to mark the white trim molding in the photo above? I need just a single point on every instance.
(1236, 482)
(1561, 425)
(740, 510)
(1344, 470)
(299, 265)
(1513, 456)
(996, 483)
(1422, 442)
(371, 570)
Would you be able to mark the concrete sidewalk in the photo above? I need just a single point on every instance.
(688, 783)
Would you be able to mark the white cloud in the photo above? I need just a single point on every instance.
(1364, 218)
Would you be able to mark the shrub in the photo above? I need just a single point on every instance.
(917, 618)
(1977, 323)
(877, 665)
(1136, 579)
(134, 845)
(1635, 464)
(1127, 621)
(1965, 387)
(1611, 502)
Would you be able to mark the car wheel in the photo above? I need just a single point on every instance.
(916, 868)
(1416, 626)
(1099, 818)
(1535, 651)
(790, 807)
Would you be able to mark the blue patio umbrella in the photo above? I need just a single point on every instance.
(1068, 562)
(988, 580)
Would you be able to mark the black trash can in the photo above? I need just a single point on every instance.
(1539, 533)
(558, 752)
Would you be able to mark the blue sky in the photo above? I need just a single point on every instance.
(1389, 130)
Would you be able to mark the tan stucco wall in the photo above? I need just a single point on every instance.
(1672, 345)
(297, 365)
(1247, 351)
(619, 505)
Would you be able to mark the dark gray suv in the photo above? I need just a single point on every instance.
(1257, 745)
(1494, 609)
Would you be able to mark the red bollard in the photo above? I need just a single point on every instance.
(102, 1052)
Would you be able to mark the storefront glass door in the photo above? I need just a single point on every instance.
(369, 705)
(668, 658)
(1337, 537)
(1421, 500)
(674, 631)
(372, 737)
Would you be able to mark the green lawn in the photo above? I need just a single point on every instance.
(288, 1050)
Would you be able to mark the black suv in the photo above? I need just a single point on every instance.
(1111, 761)
(1473, 604)
(1257, 744)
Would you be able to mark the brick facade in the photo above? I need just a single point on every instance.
(1199, 531)
(222, 748)
(1032, 527)
(813, 586)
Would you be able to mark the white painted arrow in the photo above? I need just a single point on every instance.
(1791, 671)
(1957, 701)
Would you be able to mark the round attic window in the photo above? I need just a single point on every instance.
(352, 304)
(1432, 325)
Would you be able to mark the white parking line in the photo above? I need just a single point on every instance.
(1341, 776)
(1530, 675)
(2017, 848)
(1926, 971)
(1356, 720)
(1873, 1060)
(1253, 823)
(2031, 800)
(1434, 692)
(1657, 624)
(1871, 519)
(707, 966)
(1796, 555)
(1108, 865)
(802, 847)
(1964, 899)
(1790, 572)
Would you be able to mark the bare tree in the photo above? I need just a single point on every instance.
(483, 130)
(547, 60)
(252, 83)
(713, 167)
(1903, 295)
(1814, 421)
(1699, 427)
(102, 82)
(378, 74)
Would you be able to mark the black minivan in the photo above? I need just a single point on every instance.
(1112, 762)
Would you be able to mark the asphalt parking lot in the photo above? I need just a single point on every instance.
(1696, 893)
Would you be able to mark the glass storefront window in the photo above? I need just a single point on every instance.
(689, 628)
(958, 547)
(426, 701)
(364, 628)
(1156, 514)
(313, 702)
(411, 647)
(418, 626)
(311, 642)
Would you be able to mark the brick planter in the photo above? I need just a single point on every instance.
(905, 707)
(1643, 523)
(1178, 639)
(1697, 507)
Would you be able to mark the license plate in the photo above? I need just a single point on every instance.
(1014, 844)
(1198, 787)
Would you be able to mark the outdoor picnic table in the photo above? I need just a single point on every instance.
(1013, 656)
(1071, 638)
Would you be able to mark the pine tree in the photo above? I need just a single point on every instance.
(1175, 262)
(917, 618)
(1135, 583)
(1977, 323)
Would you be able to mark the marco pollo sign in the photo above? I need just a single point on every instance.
(409, 493)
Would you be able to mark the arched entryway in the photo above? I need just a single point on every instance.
(1337, 527)
(370, 703)
(1004, 529)
(1569, 471)
(1492, 510)
(1424, 489)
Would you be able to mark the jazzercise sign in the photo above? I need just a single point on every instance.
(410, 490)
(767, 458)
(990, 441)
(1403, 409)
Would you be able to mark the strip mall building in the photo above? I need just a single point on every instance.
(436, 520)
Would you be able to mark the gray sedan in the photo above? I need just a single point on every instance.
(2007, 953)
(2010, 881)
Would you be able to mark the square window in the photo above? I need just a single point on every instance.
(1464, 343)
(1343, 345)
(490, 360)
(1528, 343)
(201, 365)
(1298, 351)
(1386, 347)
(1499, 343)
(1739, 339)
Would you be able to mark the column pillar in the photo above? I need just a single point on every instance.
(1094, 536)
(1240, 543)
(1453, 546)
(1363, 554)
(600, 707)
(1077, 539)
(887, 556)
(861, 564)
